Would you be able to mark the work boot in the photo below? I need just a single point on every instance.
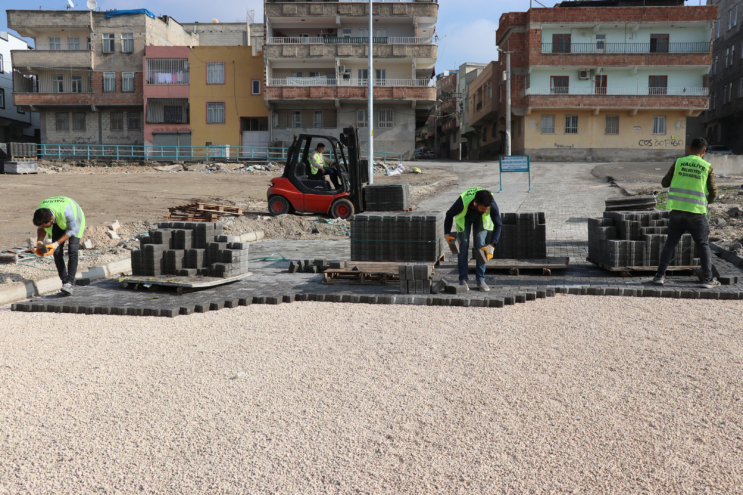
(659, 280)
(464, 284)
(482, 286)
(67, 289)
(711, 284)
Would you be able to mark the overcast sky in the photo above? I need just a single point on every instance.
(466, 28)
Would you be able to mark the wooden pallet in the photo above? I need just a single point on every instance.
(207, 208)
(191, 217)
(625, 271)
(365, 273)
(514, 267)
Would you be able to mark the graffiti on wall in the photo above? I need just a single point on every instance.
(658, 143)
(564, 146)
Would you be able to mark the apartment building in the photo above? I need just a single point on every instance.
(16, 124)
(484, 102)
(723, 121)
(468, 137)
(85, 76)
(612, 82)
(317, 69)
(210, 95)
(448, 114)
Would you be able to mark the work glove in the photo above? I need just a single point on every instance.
(453, 244)
(489, 250)
(45, 249)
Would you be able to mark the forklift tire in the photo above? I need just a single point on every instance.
(342, 208)
(278, 205)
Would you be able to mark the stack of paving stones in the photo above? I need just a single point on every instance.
(731, 257)
(398, 236)
(415, 278)
(315, 266)
(389, 197)
(189, 249)
(623, 239)
(524, 236)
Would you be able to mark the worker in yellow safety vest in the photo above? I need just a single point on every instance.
(62, 220)
(474, 211)
(692, 189)
(318, 168)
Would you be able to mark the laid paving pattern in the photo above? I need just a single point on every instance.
(271, 283)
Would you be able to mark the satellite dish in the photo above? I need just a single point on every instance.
(72, 5)
(92, 4)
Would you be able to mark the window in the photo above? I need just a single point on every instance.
(363, 73)
(215, 113)
(2, 67)
(714, 68)
(296, 74)
(571, 124)
(255, 87)
(730, 92)
(314, 74)
(2, 98)
(54, 44)
(490, 91)
(659, 43)
(727, 57)
(717, 29)
(73, 43)
(612, 124)
(61, 119)
(108, 43)
(381, 75)
(173, 115)
(600, 43)
(276, 120)
(296, 119)
(361, 119)
(215, 72)
(318, 118)
(484, 134)
(735, 16)
(19, 110)
(730, 19)
(493, 131)
(724, 94)
(77, 84)
(732, 55)
(127, 82)
(740, 88)
(559, 85)
(659, 125)
(548, 124)
(78, 121)
(109, 82)
(658, 85)
(127, 43)
(346, 33)
(386, 118)
(714, 97)
(134, 119)
(117, 121)
(382, 33)
(58, 84)
(601, 85)
(560, 43)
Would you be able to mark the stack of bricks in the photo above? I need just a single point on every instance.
(189, 249)
(415, 278)
(524, 236)
(390, 197)
(398, 236)
(635, 239)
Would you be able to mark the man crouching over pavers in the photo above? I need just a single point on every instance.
(475, 207)
(63, 220)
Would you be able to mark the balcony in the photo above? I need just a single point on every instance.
(625, 48)
(450, 125)
(83, 59)
(337, 40)
(358, 83)
(324, 88)
(611, 91)
(167, 71)
(449, 106)
(689, 98)
(351, 8)
(25, 21)
(449, 83)
(350, 50)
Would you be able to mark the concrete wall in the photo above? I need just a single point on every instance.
(726, 164)
(333, 9)
(613, 35)
(97, 127)
(356, 27)
(620, 77)
(225, 34)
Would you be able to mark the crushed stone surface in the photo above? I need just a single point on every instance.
(565, 395)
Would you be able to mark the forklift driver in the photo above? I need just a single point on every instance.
(318, 169)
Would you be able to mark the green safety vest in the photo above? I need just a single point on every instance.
(58, 205)
(320, 161)
(467, 197)
(688, 190)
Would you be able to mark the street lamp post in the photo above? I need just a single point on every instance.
(370, 117)
(507, 77)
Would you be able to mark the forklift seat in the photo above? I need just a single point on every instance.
(319, 184)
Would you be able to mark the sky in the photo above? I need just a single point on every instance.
(466, 28)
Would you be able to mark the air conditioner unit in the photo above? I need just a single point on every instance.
(331, 30)
(342, 69)
(584, 75)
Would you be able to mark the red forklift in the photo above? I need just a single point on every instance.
(296, 192)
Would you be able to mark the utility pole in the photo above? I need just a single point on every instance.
(507, 77)
(370, 111)
(435, 130)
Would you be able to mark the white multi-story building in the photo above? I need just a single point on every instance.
(317, 71)
(15, 123)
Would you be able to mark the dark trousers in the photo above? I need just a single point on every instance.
(332, 173)
(697, 224)
(66, 274)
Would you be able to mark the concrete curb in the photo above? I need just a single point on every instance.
(18, 291)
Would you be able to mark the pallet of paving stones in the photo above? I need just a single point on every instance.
(633, 241)
(387, 197)
(398, 236)
(192, 217)
(631, 203)
(20, 167)
(524, 236)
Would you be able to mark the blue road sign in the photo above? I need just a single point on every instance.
(514, 164)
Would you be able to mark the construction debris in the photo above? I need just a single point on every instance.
(112, 234)
(631, 203)
(115, 226)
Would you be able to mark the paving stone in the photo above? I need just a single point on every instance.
(289, 298)
(541, 294)
(232, 303)
(202, 308)
(520, 298)
(216, 306)
(246, 301)
(509, 300)
(301, 297)
(187, 310)
(495, 303)
(274, 300)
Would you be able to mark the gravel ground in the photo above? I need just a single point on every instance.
(564, 395)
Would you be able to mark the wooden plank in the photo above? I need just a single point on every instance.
(554, 263)
(184, 282)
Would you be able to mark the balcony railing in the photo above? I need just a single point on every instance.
(53, 81)
(355, 1)
(167, 71)
(325, 81)
(333, 40)
(626, 48)
(611, 91)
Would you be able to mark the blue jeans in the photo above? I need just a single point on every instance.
(480, 235)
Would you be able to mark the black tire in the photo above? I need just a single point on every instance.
(278, 205)
(342, 208)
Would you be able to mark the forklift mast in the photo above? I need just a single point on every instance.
(350, 139)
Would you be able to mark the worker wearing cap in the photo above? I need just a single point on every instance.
(692, 189)
(64, 221)
(317, 166)
(474, 211)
